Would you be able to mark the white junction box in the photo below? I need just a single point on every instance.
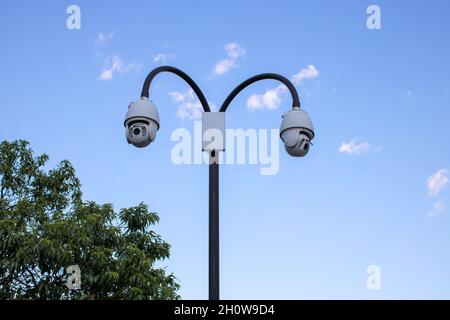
(213, 131)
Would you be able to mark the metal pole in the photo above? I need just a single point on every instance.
(214, 226)
(214, 156)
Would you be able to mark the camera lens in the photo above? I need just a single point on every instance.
(136, 131)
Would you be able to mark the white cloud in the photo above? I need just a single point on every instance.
(410, 95)
(438, 207)
(114, 64)
(162, 57)
(190, 107)
(272, 98)
(102, 38)
(436, 182)
(355, 147)
(309, 72)
(234, 53)
(180, 97)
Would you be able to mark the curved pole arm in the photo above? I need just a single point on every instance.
(262, 76)
(181, 74)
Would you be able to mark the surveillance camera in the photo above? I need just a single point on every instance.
(141, 123)
(296, 142)
(296, 132)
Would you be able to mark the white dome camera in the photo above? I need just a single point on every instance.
(141, 123)
(296, 132)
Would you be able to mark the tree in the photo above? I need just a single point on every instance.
(45, 227)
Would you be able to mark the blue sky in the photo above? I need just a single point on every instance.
(309, 231)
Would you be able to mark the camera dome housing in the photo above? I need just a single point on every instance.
(141, 123)
(296, 132)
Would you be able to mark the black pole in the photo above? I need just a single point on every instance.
(213, 181)
(214, 226)
(214, 291)
(181, 74)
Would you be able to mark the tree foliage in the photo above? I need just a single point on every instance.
(45, 226)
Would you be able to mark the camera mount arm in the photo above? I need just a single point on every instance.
(262, 76)
(181, 74)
